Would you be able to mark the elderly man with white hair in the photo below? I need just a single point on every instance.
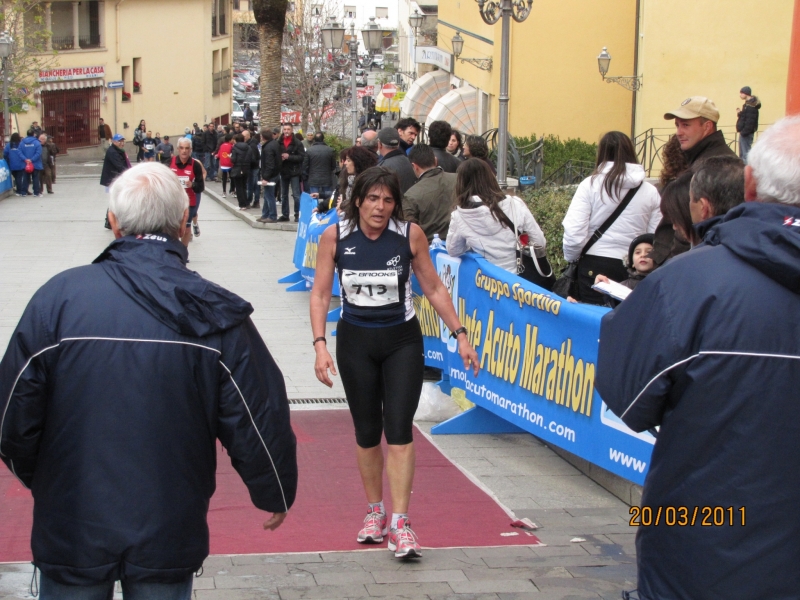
(115, 387)
(707, 348)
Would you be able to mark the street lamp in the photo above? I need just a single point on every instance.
(491, 12)
(484, 64)
(415, 21)
(632, 84)
(5, 50)
(333, 40)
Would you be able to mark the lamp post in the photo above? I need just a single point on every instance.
(5, 50)
(485, 64)
(491, 12)
(415, 21)
(633, 84)
(333, 40)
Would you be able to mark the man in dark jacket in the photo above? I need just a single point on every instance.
(198, 145)
(115, 162)
(717, 187)
(116, 385)
(696, 128)
(318, 167)
(429, 202)
(408, 129)
(292, 153)
(270, 173)
(747, 120)
(439, 134)
(210, 148)
(394, 158)
(706, 347)
(253, 189)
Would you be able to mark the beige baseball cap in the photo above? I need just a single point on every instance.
(696, 106)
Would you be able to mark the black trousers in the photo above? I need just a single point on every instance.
(590, 267)
(240, 185)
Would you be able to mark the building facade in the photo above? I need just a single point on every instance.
(171, 75)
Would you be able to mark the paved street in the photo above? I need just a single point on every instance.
(43, 236)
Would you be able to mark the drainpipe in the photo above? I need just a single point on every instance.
(116, 8)
(636, 68)
(793, 85)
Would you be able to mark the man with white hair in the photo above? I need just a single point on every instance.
(190, 173)
(708, 349)
(118, 380)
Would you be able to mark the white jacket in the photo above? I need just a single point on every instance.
(476, 229)
(591, 206)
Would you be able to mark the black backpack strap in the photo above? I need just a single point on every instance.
(610, 220)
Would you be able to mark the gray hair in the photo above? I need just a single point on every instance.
(148, 198)
(186, 130)
(369, 142)
(183, 140)
(775, 161)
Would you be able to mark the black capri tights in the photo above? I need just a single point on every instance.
(381, 370)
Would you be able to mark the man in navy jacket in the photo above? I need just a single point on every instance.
(116, 384)
(31, 150)
(708, 348)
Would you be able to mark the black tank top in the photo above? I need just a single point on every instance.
(375, 275)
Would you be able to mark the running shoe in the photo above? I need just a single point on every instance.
(196, 229)
(223, 195)
(403, 541)
(374, 528)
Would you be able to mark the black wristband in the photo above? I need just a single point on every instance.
(319, 339)
(455, 334)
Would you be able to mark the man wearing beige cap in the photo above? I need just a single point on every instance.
(696, 128)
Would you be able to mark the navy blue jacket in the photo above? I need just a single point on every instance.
(117, 382)
(708, 347)
(14, 157)
(31, 149)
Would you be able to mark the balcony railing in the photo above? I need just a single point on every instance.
(67, 42)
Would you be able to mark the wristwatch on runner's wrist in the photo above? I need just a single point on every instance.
(457, 332)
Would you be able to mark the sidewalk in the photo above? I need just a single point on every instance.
(40, 237)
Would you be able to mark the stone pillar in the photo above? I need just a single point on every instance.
(76, 26)
(48, 24)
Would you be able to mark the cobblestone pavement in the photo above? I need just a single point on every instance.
(43, 236)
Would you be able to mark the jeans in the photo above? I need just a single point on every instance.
(286, 182)
(26, 180)
(201, 156)
(269, 209)
(253, 189)
(745, 143)
(324, 192)
(52, 590)
(210, 163)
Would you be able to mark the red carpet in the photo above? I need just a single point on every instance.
(447, 509)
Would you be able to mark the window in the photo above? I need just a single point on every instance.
(126, 84)
(316, 9)
(223, 28)
(349, 12)
(137, 75)
(381, 12)
(214, 18)
(236, 5)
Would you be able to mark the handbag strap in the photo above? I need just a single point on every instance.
(610, 220)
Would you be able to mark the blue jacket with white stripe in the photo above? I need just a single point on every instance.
(115, 386)
(708, 348)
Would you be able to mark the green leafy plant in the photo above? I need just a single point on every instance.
(558, 151)
(549, 205)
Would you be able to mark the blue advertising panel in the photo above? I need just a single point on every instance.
(538, 357)
(307, 204)
(316, 227)
(5, 177)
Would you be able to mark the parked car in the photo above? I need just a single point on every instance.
(362, 79)
(377, 60)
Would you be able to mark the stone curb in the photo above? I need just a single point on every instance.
(249, 216)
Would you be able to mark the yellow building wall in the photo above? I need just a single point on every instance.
(713, 48)
(554, 84)
(176, 70)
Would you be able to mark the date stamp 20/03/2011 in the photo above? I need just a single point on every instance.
(687, 516)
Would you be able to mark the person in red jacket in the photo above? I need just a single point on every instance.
(225, 164)
(190, 174)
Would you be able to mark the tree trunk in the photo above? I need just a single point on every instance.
(270, 39)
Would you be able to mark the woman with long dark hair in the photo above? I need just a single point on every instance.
(475, 146)
(485, 219)
(617, 172)
(356, 161)
(379, 347)
(456, 145)
(675, 208)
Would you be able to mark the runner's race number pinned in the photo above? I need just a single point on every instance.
(370, 288)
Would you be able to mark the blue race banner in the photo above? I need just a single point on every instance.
(307, 204)
(538, 356)
(317, 225)
(5, 177)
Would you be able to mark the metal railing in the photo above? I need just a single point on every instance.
(67, 42)
(521, 160)
(571, 172)
(221, 82)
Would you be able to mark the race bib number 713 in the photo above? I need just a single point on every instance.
(370, 288)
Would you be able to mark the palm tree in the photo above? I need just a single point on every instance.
(270, 16)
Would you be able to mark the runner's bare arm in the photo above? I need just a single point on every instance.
(320, 303)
